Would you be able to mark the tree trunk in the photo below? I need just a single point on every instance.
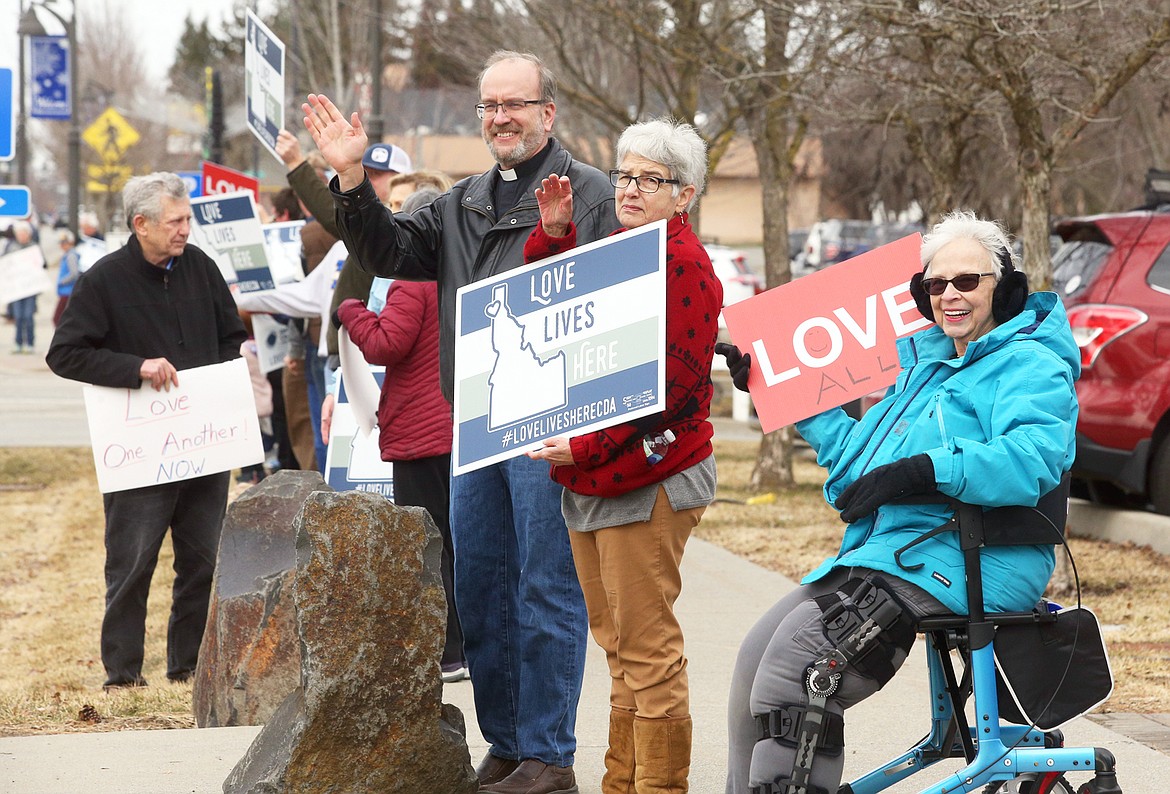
(773, 469)
(1036, 179)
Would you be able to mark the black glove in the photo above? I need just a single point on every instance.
(905, 477)
(738, 364)
(336, 319)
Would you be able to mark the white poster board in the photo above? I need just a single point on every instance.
(263, 82)
(568, 345)
(206, 424)
(22, 273)
(282, 241)
(271, 337)
(354, 459)
(227, 228)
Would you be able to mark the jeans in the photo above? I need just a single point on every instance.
(22, 312)
(523, 616)
(315, 377)
(136, 523)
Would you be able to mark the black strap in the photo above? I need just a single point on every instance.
(784, 785)
(783, 724)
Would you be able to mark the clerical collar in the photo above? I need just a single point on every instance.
(508, 175)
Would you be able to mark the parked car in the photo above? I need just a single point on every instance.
(836, 240)
(1113, 272)
(738, 279)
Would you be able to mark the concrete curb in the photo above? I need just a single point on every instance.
(1088, 520)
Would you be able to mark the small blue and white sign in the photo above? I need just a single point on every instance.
(568, 345)
(263, 82)
(7, 116)
(49, 73)
(227, 228)
(15, 201)
(354, 460)
(283, 243)
(194, 182)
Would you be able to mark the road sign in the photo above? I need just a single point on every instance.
(15, 201)
(107, 178)
(194, 182)
(110, 136)
(221, 179)
(7, 115)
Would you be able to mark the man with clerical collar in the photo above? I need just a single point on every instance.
(523, 616)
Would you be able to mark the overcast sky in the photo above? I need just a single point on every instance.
(158, 24)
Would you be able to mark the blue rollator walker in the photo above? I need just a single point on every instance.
(1001, 758)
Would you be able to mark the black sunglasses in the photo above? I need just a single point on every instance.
(963, 283)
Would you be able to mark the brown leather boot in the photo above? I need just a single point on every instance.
(619, 758)
(536, 777)
(663, 750)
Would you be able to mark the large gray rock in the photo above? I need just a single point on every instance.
(371, 618)
(250, 659)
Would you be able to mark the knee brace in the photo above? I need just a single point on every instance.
(864, 625)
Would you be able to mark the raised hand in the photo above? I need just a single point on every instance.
(341, 142)
(289, 149)
(555, 199)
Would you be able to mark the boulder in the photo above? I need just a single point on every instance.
(250, 659)
(371, 620)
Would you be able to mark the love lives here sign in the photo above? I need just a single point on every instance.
(828, 337)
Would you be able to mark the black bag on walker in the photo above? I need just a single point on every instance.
(1051, 672)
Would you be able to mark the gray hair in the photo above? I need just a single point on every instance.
(143, 195)
(965, 225)
(420, 198)
(65, 237)
(548, 82)
(672, 143)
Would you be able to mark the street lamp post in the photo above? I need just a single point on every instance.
(31, 26)
(74, 119)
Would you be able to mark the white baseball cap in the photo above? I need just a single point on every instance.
(387, 157)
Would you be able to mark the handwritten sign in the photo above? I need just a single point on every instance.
(22, 273)
(568, 345)
(828, 338)
(206, 424)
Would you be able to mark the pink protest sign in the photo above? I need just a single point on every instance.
(828, 338)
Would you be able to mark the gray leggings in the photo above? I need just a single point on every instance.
(769, 673)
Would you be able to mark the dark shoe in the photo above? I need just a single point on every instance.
(452, 672)
(493, 769)
(536, 777)
(181, 677)
(133, 683)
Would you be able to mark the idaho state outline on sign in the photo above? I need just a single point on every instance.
(564, 346)
(828, 337)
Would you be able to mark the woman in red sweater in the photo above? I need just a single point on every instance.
(634, 492)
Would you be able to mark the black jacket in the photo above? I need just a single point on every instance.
(458, 240)
(125, 310)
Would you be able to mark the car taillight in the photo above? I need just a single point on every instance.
(1095, 325)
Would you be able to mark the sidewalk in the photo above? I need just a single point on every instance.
(722, 596)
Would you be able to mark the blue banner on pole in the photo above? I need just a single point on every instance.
(49, 75)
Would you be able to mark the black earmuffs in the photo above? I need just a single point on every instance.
(1011, 292)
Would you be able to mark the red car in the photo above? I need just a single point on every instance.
(1113, 273)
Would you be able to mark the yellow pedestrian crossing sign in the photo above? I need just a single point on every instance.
(110, 136)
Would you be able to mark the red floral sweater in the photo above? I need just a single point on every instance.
(414, 419)
(612, 462)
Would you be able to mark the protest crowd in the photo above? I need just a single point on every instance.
(365, 261)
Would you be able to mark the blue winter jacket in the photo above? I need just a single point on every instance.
(999, 425)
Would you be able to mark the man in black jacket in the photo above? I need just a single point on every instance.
(142, 314)
(519, 602)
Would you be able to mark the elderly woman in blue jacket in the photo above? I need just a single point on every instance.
(984, 410)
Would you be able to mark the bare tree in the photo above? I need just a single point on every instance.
(1054, 67)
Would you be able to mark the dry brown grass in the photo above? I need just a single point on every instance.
(51, 592)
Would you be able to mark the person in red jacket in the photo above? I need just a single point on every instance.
(635, 491)
(414, 419)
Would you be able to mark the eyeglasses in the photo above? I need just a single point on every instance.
(645, 182)
(963, 283)
(486, 110)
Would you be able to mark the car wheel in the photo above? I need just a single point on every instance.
(1160, 479)
(1108, 494)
